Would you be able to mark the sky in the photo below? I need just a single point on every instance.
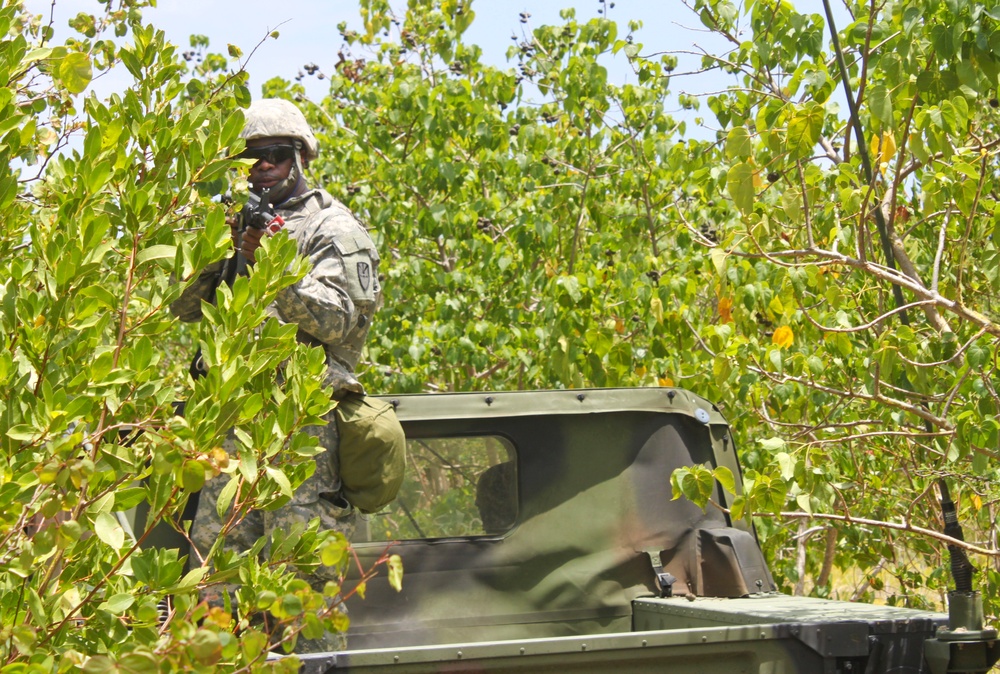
(308, 31)
(308, 28)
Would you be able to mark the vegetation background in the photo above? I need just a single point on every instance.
(824, 267)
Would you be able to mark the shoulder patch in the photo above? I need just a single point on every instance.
(364, 275)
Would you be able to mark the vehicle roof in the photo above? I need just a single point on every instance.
(485, 404)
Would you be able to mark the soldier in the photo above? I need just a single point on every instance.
(333, 306)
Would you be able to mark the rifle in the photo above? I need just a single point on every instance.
(255, 213)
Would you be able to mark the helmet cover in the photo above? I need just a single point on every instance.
(276, 117)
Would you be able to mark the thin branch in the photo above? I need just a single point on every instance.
(942, 238)
(895, 526)
(916, 410)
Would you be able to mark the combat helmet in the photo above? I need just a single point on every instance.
(273, 117)
(278, 118)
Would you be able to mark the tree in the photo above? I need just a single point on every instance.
(828, 276)
(109, 212)
(865, 234)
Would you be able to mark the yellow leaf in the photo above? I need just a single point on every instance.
(396, 572)
(47, 136)
(883, 149)
(219, 459)
(888, 146)
(977, 501)
(619, 325)
(726, 310)
(665, 381)
(341, 622)
(656, 308)
(219, 616)
(640, 371)
(783, 337)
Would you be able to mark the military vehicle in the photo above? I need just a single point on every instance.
(538, 533)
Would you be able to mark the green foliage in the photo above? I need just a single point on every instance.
(540, 227)
(106, 215)
(544, 227)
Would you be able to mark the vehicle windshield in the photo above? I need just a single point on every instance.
(454, 487)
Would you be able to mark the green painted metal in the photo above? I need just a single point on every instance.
(571, 585)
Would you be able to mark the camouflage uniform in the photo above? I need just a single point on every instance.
(333, 307)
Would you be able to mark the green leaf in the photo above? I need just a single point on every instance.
(248, 464)
(719, 258)
(787, 464)
(226, 496)
(978, 355)
(139, 662)
(738, 510)
(805, 503)
(739, 183)
(276, 474)
(97, 176)
(192, 475)
(100, 664)
(696, 483)
(769, 494)
(334, 551)
(804, 130)
(23, 433)
(38, 614)
(290, 605)
(791, 205)
(157, 252)
(118, 604)
(312, 628)
(774, 355)
(725, 478)
(74, 72)
(738, 145)
(206, 648)
(108, 529)
(252, 643)
(880, 103)
(190, 579)
(104, 504)
(38, 54)
(980, 463)
(815, 365)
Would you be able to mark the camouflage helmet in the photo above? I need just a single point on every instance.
(276, 117)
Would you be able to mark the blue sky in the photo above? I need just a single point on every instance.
(308, 32)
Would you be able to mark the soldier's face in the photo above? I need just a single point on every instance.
(275, 157)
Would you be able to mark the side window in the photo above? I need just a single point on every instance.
(455, 486)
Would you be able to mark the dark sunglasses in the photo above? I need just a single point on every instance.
(272, 154)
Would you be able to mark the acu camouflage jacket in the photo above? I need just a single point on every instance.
(335, 303)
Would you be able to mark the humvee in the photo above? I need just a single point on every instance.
(538, 532)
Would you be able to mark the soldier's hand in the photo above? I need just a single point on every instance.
(250, 242)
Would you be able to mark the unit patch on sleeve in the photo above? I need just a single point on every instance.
(364, 275)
